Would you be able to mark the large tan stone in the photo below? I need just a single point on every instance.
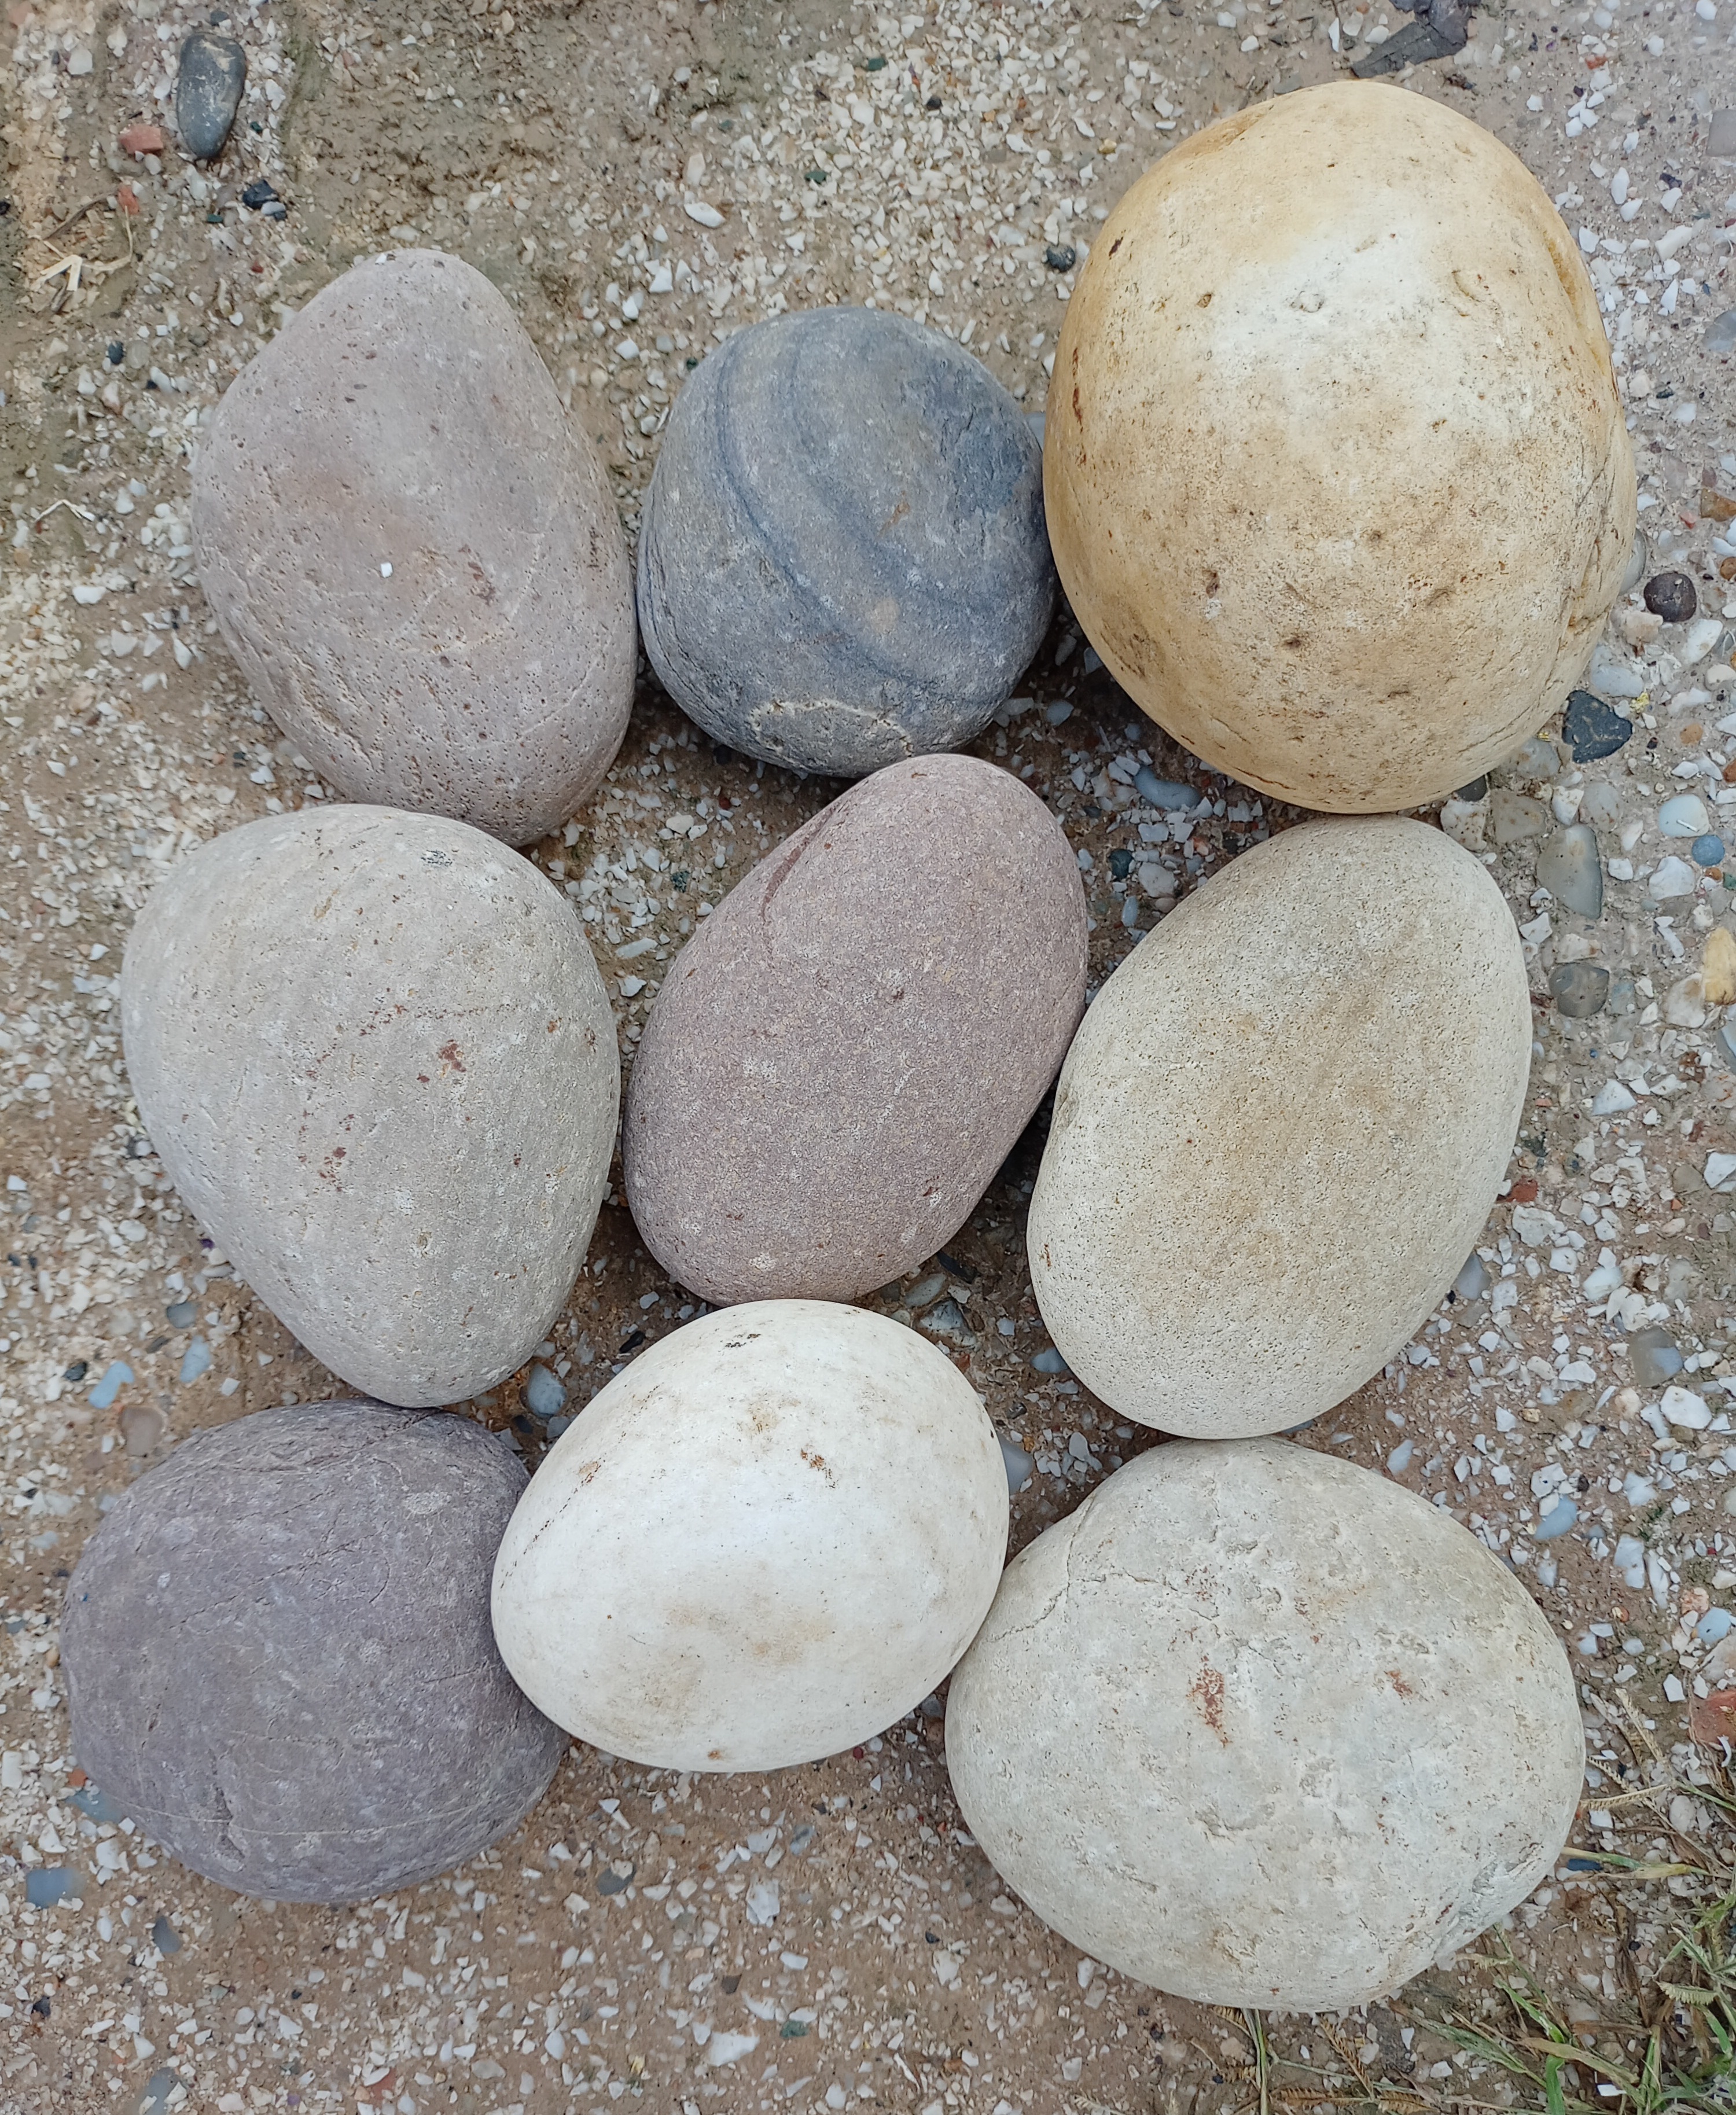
(1336, 472)
(1281, 1127)
(416, 557)
(1260, 1728)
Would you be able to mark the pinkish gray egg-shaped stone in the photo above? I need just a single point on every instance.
(846, 1051)
(842, 560)
(377, 1059)
(278, 1655)
(415, 555)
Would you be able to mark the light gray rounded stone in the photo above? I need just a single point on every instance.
(404, 420)
(1281, 1127)
(375, 1055)
(848, 1048)
(1259, 1727)
(767, 1539)
(278, 1656)
(842, 561)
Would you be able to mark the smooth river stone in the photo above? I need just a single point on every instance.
(1260, 1728)
(1263, 425)
(209, 77)
(278, 1655)
(1281, 1127)
(842, 561)
(765, 1541)
(1569, 867)
(849, 1047)
(415, 555)
(378, 1061)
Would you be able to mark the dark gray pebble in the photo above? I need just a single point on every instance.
(208, 92)
(1474, 790)
(1671, 596)
(843, 561)
(1592, 729)
(279, 1658)
(1579, 989)
(1060, 257)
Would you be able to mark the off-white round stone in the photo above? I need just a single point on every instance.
(1281, 1128)
(1260, 1728)
(375, 1055)
(767, 1540)
(1337, 475)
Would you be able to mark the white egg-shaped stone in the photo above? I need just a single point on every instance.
(1337, 472)
(766, 1540)
(376, 1057)
(1281, 1127)
(1260, 1728)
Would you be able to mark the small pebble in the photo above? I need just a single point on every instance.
(1671, 596)
(1615, 674)
(213, 72)
(1514, 817)
(1050, 1362)
(1579, 989)
(1537, 759)
(1671, 877)
(1714, 1626)
(1653, 1358)
(181, 1313)
(159, 2087)
(1721, 336)
(545, 1397)
(1019, 1465)
(1472, 1282)
(1569, 868)
(1557, 1521)
(118, 1375)
(1162, 792)
(1684, 816)
(46, 1885)
(164, 1936)
(197, 1361)
(1060, 257)
(1477, 790)
(1682, 1406)
(1707, 851)
(1592, 729)
(1399, 1459)
(259, 194)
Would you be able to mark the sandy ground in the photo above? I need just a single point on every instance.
(926, 160)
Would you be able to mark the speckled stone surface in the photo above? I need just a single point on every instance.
(842, 560)
(376, 1057)
(848, 1048)
(279, 1659)
(415, 555)
(1281, 1127)
(1259, 1727)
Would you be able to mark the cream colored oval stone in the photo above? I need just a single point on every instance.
(1281, 1127)
(1259, 1727)
(766, 1540)
(414, 554)
(1336, 471)
(377, 1059)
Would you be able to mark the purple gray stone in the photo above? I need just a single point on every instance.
(842, 560)
(279, 1658)
(844, 1053)
(414, 555)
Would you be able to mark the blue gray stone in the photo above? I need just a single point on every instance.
(1653, 1357)
(208, 81)
(842, 561)
(155, 2100)
(1707, 851)
(316, 1581)
(1018, 1463)
(1579, 989)
(545, 1397)
(1168, 793)
(1569, 867)
(1592, 729)
(1557, 1521)
(46, 1885)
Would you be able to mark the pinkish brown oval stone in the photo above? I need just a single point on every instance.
(845, 1053)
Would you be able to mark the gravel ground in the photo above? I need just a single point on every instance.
(640, 181)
